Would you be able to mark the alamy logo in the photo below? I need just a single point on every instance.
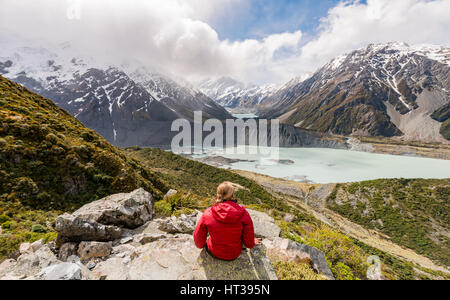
(233, 136)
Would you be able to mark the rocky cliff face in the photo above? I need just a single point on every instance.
(382, 90)
(159, 249)
(236, 96)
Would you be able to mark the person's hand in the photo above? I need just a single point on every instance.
(258, 242)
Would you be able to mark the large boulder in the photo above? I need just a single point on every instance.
(102, 220)
(264, 225)
(285, 250)
(72, 228)
(177, 258)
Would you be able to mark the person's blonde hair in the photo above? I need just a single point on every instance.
(225, 192)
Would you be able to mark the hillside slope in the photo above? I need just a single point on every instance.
(413, 213)
(50, 162)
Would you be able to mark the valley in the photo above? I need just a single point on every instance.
(74, 131)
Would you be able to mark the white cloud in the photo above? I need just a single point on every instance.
(175, 35)
(172, 35)
(352, 25)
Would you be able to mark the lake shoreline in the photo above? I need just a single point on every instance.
(325, 165)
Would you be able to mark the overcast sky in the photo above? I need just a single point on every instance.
(259, 41)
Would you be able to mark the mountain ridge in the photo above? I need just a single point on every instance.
(120, 101)
(381, 90)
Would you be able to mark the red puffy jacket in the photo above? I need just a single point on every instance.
(229, 226)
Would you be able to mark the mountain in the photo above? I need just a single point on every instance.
(126, 103)
(237, 96)
(391, 90)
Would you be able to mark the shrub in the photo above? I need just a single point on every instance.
(343, 272)
(8, 225)
(339, 250)
(296, 271)
(4, 218)
(38, 228)
(163, 208)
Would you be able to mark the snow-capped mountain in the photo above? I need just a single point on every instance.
(382, 90)
(127, 103)
(236, 96)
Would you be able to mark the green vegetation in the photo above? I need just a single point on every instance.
(413, 213)
(296, 271)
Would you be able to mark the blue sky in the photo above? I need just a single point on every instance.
(260, 18)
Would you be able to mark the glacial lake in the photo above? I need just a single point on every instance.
(331, 165)
(245, 116)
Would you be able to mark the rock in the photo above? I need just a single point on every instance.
(171, 193)
(62, 271)
(251, 265)
(264, 225)
(37, 245)
(183, 224)
(129, 210)
(71, 228)
(126, 240)
(25, 248)
(288, 218)
(88, 250)
(73, 259)
(146, 238)
(123, 249)
(177, 258)
(101, 220)
(14, 255)
(67, 250)
(285, 250)
(29, 264)
(91, 265)
(6, 266)
(112, 269)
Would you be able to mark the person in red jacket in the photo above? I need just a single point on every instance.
(229, 226)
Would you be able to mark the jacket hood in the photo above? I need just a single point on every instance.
(227, 212)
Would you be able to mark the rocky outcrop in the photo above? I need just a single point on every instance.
(177, 258)
(102, 220)
(159, 249)
(264, 225)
